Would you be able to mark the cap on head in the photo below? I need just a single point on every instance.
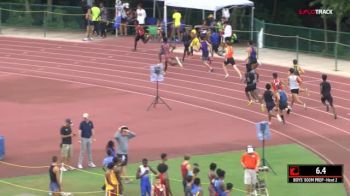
(250, 149)
(85, 115)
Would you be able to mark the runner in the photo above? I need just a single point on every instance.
(195, 43)
(230, 60)
(282, 101)
(276, 84)
(299, 71)
(215, 42)
(270, 104)
(206, 47)
(140, 34)
(186, 39)
(326, 96)
(143, 174)
(293, 83)
(170, 58)
(251, 91)
(164, 178)
(252, 56)
(89, 25)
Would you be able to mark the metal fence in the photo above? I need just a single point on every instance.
(276, 36)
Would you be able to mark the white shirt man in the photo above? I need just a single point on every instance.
(141, 15)
(227, 31)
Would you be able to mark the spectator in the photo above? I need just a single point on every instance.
(104, 20)
(177, 24)
(126, 16)
(196, 187)
(96, 12)
(143, 174)
(211, 20)
(122, 137)
(54, 173)
(250, 161)
(108, 159)
(141, 14)
(186, 40)
(215, 42)
(86, 130)
(227, 31)
(225, 14)
(185, 170)
(111, 182)
(164, 178)
(211, 176)
(89, 25)
(158, 189)
(110, 147)
(66, 145)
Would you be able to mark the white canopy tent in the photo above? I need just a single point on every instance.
(211, 5)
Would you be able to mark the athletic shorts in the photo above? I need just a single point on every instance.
(250, 177)
(328, 98)
(123, 158)
(216, 47)
(67, 150)
(186, 47)
(89, 23)
(54, 187)
(230, 61)
(283, 106)
(295, 91)
(138, 37)
(205, 56)
(250, 87)
(270, 106)
(252, 61)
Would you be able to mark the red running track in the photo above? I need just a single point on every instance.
(44, 82)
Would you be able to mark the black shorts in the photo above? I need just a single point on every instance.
(138, 37)
(270, 106)
(205, 56)
(295, 91)
(187, 47)
(216, 47)
(125, 162)
(230, 61)
(250, 87)
(283, 106)
(252, 61)
(328, 98)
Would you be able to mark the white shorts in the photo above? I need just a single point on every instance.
(250, 177)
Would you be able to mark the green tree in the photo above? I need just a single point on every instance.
(324, 5)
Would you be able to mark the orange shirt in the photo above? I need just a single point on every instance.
(250, 161)
(229, 52)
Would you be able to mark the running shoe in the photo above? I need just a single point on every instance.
(90, 38)
(250, 102)
(80, 166)
(92, 164)
(304, 106)
(86, 39)
(289, 109)
(279, 118)
(226, 76)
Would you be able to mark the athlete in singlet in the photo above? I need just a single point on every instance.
(299, 71)
(158, 189)
(54, 173)
(111, 181)
(143, 174)
(251, 59)
(170, 58)
(205, 48)
(211, 176)
(230, 60)
(293, 82)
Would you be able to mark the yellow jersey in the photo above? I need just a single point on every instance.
(114, 182)
(95, 12)
(177, 19)
(195, 43)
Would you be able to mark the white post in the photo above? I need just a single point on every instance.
(154, 8)
(165, 20)
(252, 24)
(215, 14)
(203, 14)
